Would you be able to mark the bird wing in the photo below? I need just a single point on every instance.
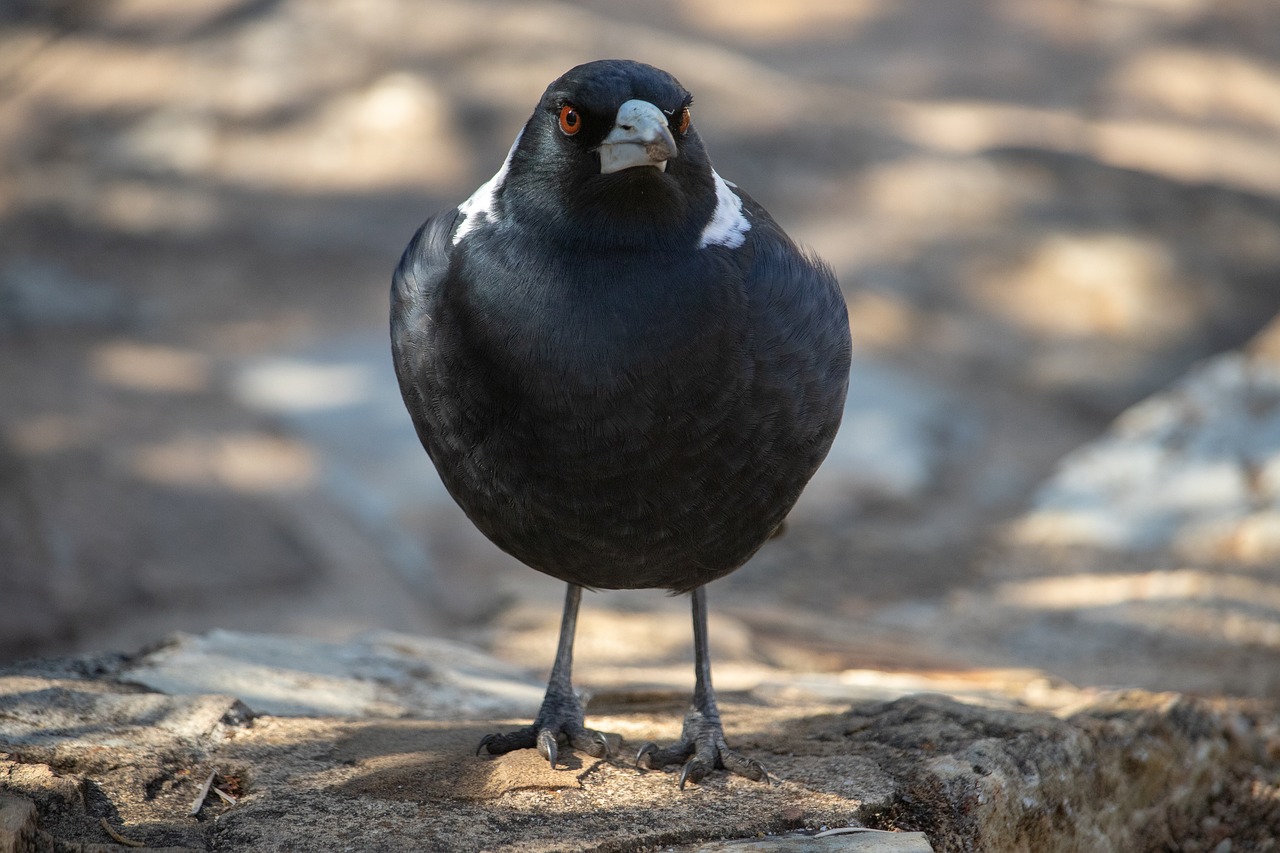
(801, 373)
(422, 270)
(422, 266)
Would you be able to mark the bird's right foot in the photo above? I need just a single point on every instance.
(547, 734)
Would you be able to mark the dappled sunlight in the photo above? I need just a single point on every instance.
(769, 21)
(892, 211)
(133, 206)
(973, 126)
(293, 385)
(155, 369)
(157, 136)
(375, 674)
(989, 687)
(1243, 159)
(396, 134)
(652, 642)
(946, 192)
(1213, 605)
(881, 321)
(1040, 213)
(1205, 86)
(1251, 539)
(1080, 592)
(276, 689)
(1179, 10)
(1195, 470)
(250, 463)
(1092, 285)
(99, 74)
(41, 434)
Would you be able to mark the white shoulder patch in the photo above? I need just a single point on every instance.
(728, 225)
(481, 201)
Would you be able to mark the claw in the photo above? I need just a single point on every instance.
(547, 747)
(485, 741)
(700, 751)
(642, 755)
(599, 746)
(694, 770)
(743, 766)
(684, 773)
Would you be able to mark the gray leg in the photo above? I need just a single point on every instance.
(701, 747)
(560, 718)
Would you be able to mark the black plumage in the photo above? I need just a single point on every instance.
(622, 368)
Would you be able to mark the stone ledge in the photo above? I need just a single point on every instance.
(1119, 771)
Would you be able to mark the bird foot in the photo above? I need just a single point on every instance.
(548, 733)
(702, 748)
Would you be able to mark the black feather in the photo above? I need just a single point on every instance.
(608, 402)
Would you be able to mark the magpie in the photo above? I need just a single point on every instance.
(623, 369)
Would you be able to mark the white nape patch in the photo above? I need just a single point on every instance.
(728, 226)
(481, 201)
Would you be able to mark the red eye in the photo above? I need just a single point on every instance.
(570, 121)
(685, 118)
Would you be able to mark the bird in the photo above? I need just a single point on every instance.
(623, 369)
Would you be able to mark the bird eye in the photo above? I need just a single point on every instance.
(570, 121)
(685, 118)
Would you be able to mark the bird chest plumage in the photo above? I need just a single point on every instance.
(623, 370)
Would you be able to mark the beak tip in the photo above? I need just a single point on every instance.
(640, 137)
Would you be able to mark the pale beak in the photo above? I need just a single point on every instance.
(640, 137)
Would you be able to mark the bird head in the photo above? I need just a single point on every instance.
(611, 154)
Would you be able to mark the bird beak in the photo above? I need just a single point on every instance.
(640, 137)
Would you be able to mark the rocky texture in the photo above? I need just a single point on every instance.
(378, 675)
(1122, 771)
(1150, 556)
(199, 205)
(1193, 471)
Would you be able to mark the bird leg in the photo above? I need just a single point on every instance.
(702, 747)
(560, 717)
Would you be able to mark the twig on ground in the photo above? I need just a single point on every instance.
(198, 802)
(117, 837)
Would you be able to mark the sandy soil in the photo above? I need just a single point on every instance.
(1039, 213)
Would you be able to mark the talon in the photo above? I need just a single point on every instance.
(642, 755)
(547, 747)
(692, 771)
(602, 742)
(701, 750)
(743, 766)
(485, 741)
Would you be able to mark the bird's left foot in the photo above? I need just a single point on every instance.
(701, 748)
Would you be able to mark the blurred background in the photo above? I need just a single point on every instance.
(1057, 226)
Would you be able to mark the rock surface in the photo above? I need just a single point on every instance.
(84, 748)
(1149, 557)
(1193, 471)
(376, 675)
